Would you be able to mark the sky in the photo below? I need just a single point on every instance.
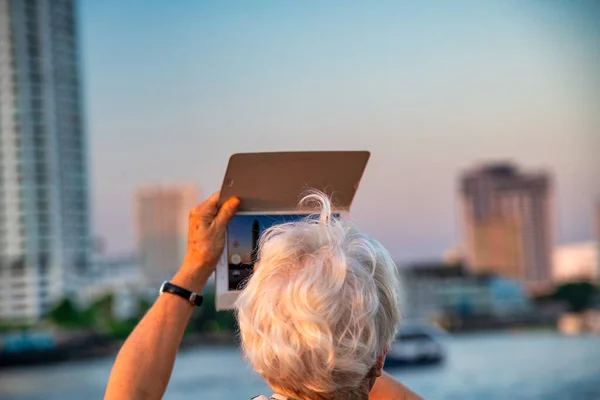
(431, 88)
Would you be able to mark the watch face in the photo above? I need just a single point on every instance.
(162, 287)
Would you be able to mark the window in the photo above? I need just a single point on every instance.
(41, 181)
(18, 285)
(38, 139)
(40, 166)
(40, 154)
(17, 268)
(30, 5)
(33, 51)
(37, 115)
(76, 141)
(36, 91)
(19, 296)
(42, 206)
(35, 78)
(30, 22)
(37, 103)
(34, 63)
(44, 267)
(44, 229)
(80, 262)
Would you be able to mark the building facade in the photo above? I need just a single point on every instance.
(507, 222)
(117, 276)
(435, 291)
(162, 223)
(44, 205)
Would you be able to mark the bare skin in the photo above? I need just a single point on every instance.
(144, 364)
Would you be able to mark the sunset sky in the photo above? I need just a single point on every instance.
(430, 88)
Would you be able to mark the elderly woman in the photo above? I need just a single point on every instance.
(316, 318)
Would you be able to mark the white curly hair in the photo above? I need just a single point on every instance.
(320, 308)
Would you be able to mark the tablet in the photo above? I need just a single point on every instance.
(270, 185)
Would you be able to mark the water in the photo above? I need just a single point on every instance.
(482, 366)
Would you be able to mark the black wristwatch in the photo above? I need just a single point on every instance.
(194, 298)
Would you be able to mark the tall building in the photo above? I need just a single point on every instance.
(162, 224)
(44, 206)
(507, 218)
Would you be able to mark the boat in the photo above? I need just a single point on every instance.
(416, 345)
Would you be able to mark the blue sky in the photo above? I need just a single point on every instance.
(430, 88)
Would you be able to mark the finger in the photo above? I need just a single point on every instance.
(207, 210)
(209, 203)
(226, 212)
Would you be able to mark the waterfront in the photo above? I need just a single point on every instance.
(522, 365)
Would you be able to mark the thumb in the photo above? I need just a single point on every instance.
(226, 212)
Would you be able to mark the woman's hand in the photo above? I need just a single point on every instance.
(206, 239)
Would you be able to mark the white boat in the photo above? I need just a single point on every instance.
(416, 345)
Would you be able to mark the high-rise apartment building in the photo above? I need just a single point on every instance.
(44, 207)
(162, 225)
(507, 217)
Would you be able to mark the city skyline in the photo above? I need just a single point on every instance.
(429, 91)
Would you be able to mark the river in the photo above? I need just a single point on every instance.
(524, 365)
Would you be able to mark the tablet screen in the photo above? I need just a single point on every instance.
(243, 235)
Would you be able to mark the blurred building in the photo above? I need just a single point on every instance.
(436, 290)
(507, 218)
(116, 276)
(577, 262)
(161, 220)
(454, 255)
(44, 207)
(108, 272)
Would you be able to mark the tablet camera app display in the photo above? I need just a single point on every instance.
(243, 234)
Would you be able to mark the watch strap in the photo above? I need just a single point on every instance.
(193, 297)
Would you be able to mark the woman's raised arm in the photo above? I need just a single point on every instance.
(145, 362)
